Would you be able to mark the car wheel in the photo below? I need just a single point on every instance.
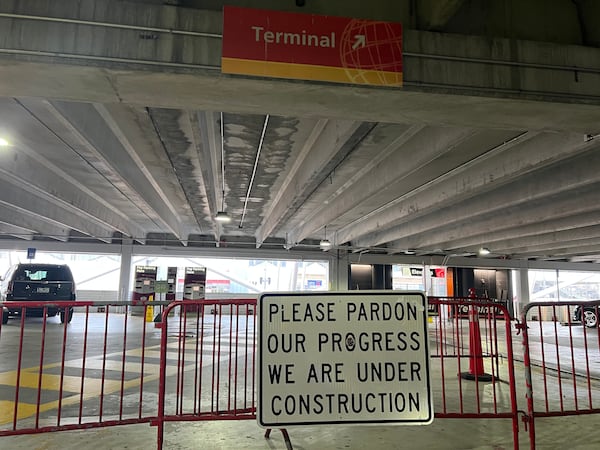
(68, 317)
(4, 317)
(590, 319)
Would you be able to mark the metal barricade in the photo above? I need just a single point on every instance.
(472, 360)
(110, 367)
(561, 360)
(64, 376)
(208, 372)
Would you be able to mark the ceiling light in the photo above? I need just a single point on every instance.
(484, 251)
(222, 217)
(325, 244)
(4, 142)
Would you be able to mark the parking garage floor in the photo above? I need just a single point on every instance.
(575, 433)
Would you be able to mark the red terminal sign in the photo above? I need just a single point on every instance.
(311, 47)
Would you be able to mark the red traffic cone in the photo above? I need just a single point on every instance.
(476, 371)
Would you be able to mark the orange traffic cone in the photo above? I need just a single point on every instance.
(476, 371)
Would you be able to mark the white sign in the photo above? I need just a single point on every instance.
(343, 357)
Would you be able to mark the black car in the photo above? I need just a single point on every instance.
(590, 315)
(38, 283)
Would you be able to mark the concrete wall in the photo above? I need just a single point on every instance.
(558, 21)
(125, 30)
(119, 34)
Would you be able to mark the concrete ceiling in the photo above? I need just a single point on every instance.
(81, 170)
(98, 153)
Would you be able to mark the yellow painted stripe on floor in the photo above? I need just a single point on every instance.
(7, 410)
(28, 410)
(50, 382)
(147, 354)
(99, 364)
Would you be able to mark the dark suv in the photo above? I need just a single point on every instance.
(38, 283)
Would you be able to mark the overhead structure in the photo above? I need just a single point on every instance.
(490, 143)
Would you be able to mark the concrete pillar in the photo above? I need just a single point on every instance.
(125, 272)
(338, 272)
(521, 290)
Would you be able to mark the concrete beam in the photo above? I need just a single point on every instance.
(137, 136)
(108, 156)
(493, 175)
(426, 154)
(564, 249)
(60, 159)
(555, 213)
(27, 224)
(328, 144)
(585, 247)
(40, 204)
(207, 134)
(513, 233)
(7, 229)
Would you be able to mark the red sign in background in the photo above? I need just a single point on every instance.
(333, 48)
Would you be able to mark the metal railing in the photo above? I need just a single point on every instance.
(116, 363)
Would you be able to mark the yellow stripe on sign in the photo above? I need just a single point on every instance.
(311, 72)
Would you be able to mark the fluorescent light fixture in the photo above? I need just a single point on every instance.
(222, 217)
(325, 244)
(484, 251)
(4, 142)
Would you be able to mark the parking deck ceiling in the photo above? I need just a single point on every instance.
(91, 171)
(372, 170)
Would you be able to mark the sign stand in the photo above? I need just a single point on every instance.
(286, 437)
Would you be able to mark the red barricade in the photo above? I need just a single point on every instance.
(76, 375)
(481, 345)
(200, 365)
(214, 378)
(561, 349)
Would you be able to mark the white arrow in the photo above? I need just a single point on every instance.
(361, 41)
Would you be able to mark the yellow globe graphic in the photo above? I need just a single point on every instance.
(363, 59)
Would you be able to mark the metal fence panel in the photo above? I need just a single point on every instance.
(561, 357)
(116, 364)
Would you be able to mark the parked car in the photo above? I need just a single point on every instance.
(590, 315)
(39, 283)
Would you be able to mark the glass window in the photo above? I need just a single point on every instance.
(431, 279)
(96, 275)
(243, 276)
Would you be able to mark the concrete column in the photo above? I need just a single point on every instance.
(521, 290)
(338, 273)
(125, 272)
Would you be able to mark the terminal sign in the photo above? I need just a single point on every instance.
(311, 47)
(351, 358)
